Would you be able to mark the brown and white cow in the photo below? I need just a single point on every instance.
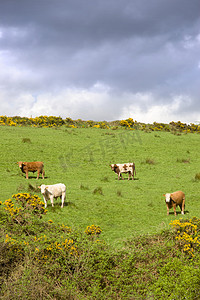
(175, 199)
(36, 166)
(124, 168)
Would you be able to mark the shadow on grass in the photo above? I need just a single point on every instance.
(126, 178)
(34, 177)
(57, 206)
(179, 212)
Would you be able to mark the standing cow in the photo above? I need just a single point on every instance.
(53, 191)
(124, 168)
(175, 199)
(35, 166)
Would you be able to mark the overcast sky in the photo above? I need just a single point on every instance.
(101, 59)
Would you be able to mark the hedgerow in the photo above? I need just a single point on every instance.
(56, 122)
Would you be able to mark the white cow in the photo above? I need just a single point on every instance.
(53, 191)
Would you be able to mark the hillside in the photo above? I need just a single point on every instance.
(80, 158)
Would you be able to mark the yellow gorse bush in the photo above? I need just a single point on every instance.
(128, 123)
(15, 245)
(65, 228)
(32, 202)
(9, 207)
(42, 248)
(42, 121)
(45, 249)
(54, 122)
(93, 230)
(29, 204)
(187, 234)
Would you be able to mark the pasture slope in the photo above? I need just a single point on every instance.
(80, 159)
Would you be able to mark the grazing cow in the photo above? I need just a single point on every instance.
(32, 167)
(53, 191)
(175, 199)
(124, 168)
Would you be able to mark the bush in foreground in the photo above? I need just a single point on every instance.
(53, 261)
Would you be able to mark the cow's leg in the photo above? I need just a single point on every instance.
(45, 202)
(183, 207)
(121, 176)
(43, 174)
(26, 174)
(174, 207)
(38, 174)
(51, 198)
(167, 209)
(62, 199)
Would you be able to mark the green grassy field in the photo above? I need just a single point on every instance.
(80, 159)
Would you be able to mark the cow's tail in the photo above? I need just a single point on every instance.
(134, 170)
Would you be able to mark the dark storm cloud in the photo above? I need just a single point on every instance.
(131, 48)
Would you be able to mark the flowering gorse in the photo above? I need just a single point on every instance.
(9, 207)
(15, 245)
(46, 249)
(93, 230)
(31, 202)
(187, 235)
(29, 205)
(57, 122)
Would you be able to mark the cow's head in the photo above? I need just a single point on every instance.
(43, 188)
(167, 197)
(113, 167)
(20, 164)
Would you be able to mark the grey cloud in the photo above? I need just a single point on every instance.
(131, 46)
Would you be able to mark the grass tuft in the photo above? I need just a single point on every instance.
(21, 187)
(149, 161)
(33, 188)
(119, 193)
(26, 140)
(98, 191)
(197, 177)
(183, 160)
(83, 187)
(105, 179)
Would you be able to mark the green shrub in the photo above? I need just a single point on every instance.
(54, 261)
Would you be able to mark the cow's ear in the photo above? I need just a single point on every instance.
(164, 195)
(39, 187)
